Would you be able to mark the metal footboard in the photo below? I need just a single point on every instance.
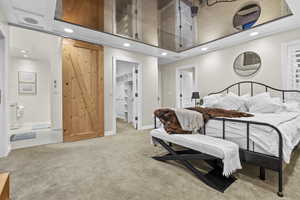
(264, 161)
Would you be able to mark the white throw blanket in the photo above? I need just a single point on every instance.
(193, 121)
(223, 149)
(189, 120)
(231, 159)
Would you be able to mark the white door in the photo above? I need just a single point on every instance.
(186, 89)
(136, 95)
(127, 17)
(187, 35)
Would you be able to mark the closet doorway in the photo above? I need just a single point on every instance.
(185, 85)
(127, 95)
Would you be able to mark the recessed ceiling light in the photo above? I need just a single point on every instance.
(126, 45)
(23, 51)
(253, 33)
(68, 30)
(204, 49)
(164, 53)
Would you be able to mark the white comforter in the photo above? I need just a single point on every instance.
(265, 138)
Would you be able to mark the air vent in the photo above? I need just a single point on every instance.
(23, 136)
(30, 20)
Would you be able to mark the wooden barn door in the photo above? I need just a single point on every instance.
(83, 111)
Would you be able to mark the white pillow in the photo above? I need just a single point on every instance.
(266, 104)
(257, 98)
(291, 107)
(245, 98)
(230, 102)
(209, 101)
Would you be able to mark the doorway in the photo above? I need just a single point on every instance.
(185, 86)
(127, 96)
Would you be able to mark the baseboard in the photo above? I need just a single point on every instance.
(147, 127)
(108, 133)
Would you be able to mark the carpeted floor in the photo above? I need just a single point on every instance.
(120, 168)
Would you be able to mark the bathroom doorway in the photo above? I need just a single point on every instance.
(185, 86)
(34, 88)
(127, 95)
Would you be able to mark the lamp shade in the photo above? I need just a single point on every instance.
(195, 95)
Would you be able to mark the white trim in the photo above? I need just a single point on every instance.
(178, 69)
(4, 137)
(108, 133)
(140, 91)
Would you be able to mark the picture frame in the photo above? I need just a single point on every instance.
(27, 77)
(27, 88)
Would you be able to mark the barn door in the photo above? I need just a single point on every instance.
(82, 91)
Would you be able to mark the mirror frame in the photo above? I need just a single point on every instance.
(250, 4)
(258, 68)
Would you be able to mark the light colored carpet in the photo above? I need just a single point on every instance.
(120, 168)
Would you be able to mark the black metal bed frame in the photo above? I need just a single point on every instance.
(264, 161)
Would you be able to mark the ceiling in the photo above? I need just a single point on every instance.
(21, 44)
(43, 11)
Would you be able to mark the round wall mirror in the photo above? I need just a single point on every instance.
(246, 17)
(247, 64)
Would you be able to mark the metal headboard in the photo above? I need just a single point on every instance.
(252, 84)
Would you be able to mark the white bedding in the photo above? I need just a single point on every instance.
(263, 139)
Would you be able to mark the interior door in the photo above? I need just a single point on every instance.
(83, 109)
(135, 88)
(186, 89)
(128, 18)
(187, 24)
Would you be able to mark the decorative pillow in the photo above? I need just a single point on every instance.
(291, 107)
(245, 99)
(230, 102)
(257, 98)
(266, 104)
(209, 101)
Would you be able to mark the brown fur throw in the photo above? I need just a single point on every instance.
(172, 126)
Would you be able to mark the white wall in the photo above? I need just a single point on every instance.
(215, 69)
(36, 107)
(56, 89)
(149, 84)
(4, 139)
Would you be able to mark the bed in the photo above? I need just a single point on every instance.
(267, 139)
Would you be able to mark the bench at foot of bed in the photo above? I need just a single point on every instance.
(213, 178)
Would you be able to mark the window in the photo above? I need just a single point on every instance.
(293, 72)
